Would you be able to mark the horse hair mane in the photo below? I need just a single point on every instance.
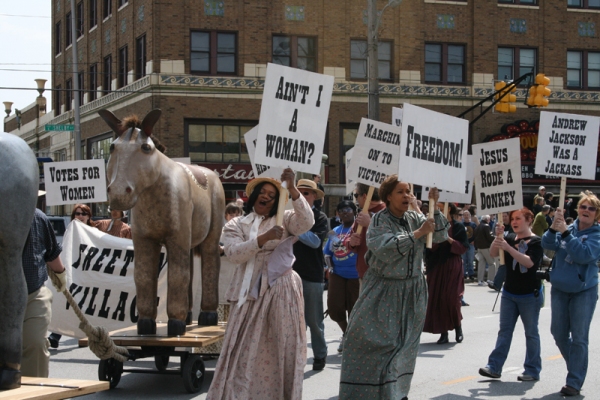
(133, 121)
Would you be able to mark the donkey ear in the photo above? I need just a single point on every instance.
(113, 122)
(150, 120)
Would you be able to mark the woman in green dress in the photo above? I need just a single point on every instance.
(382, 340)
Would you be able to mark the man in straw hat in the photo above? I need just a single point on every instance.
(309, 264)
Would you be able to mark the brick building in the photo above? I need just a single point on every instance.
(203, 64)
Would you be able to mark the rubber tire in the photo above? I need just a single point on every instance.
(192, 373)
(161, 362)
(110, 370)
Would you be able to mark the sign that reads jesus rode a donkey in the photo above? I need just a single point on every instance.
(293, 119)
(72, 182)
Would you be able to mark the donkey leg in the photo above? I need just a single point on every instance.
(188, 318)
(211, 266)
(177, 297)
(147, 258)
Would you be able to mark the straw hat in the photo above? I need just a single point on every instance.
(252, 184)
(311, 185)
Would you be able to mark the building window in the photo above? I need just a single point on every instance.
(57, 99)
(348, 138)
(81, 85)
(107, 74)
(68, 94)
(93, 81)
(140, 57)
(583, 3)
(583, 70)
(217, 142)
(521, 2)
(122, 3)
(122, 73)
(106, 8)
(57, 38)
(294, 51)
(514, 62)
(359, 68)
(444, 63)
(68, 35)
(79, 22)
(93, 6)
(213, 53)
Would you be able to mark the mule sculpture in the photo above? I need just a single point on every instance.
(172, 204)
(18, 190)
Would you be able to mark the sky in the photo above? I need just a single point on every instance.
(25, 51)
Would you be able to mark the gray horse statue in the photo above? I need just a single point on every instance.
(174, 205)
(18, 190)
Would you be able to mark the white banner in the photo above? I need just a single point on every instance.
(100, 279)
(260, 170)
(293, 119)
(397, 115)
(72, 182)
(434, 149)
(455, 197)
(498, 176)
(350, 184)
(567, 145)
(376, 153)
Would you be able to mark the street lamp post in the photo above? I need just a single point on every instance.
(373, 22)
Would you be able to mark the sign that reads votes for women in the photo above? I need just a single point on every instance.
(567, 145)
(293, 119)
(72, 182)
(376, 153)
(434, 149)
(498, 176)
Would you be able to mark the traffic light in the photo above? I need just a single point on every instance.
(539, 92)
(505, 97)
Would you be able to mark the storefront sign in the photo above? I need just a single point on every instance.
(231, 173)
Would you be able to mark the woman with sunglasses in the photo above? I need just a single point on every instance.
(574, 277)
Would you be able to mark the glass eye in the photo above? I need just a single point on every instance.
(146, 148)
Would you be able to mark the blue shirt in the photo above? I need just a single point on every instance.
(343, 259)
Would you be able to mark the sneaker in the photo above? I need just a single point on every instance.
(480, 283)
(526, 378)
(488, 373)
(341, 346)
(53, 342)
(319, 364)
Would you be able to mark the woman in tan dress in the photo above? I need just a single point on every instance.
(264, 350)
(115, 226)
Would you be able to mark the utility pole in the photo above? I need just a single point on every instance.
(76, 88)
(373, 22)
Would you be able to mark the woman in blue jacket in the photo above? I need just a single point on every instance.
(574, 279)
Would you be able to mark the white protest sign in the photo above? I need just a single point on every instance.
(463, 197)
(376, 153)
(397, 115)
(350, 184)
(434, 149)
(293, 119)
(72, 182)
(100, 271)
(567, 145)
(260, 170)
(498, 176)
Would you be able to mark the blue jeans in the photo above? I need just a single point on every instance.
(513, 306)
(313, 315)
(468, 259)
(571, 317)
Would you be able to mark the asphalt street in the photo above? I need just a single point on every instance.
(447, 371)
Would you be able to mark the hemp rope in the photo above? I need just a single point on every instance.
(99, 341)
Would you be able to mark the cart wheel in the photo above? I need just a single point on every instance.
(110, 370)
(161, 362)
(193, 373)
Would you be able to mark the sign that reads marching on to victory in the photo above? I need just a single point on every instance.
(72, 182)
(567, 145)
(260, 170)
(434, 149)
(376, 153)
(293, 119)
(456, 197)
(498, 176)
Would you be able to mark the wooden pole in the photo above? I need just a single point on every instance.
(446, 208)
(365, 209)
(500, 251)
(563, 192)
(283, 196)
(432, 206)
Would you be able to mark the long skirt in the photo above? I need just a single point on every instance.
(382, 340)
(446, 285)
(264, 349)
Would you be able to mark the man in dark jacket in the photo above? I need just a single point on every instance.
(310, 264)
(483, 239)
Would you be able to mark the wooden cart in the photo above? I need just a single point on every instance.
(52, 389)
(161, 347)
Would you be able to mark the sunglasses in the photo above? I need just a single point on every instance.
(80, 213)
(590, 208)
(346, 210)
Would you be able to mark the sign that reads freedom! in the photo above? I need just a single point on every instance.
(434, 149)
(567, 145)
(498, 176)
(260, 170)
(376, 153)
(293, 119)
(72, 182)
